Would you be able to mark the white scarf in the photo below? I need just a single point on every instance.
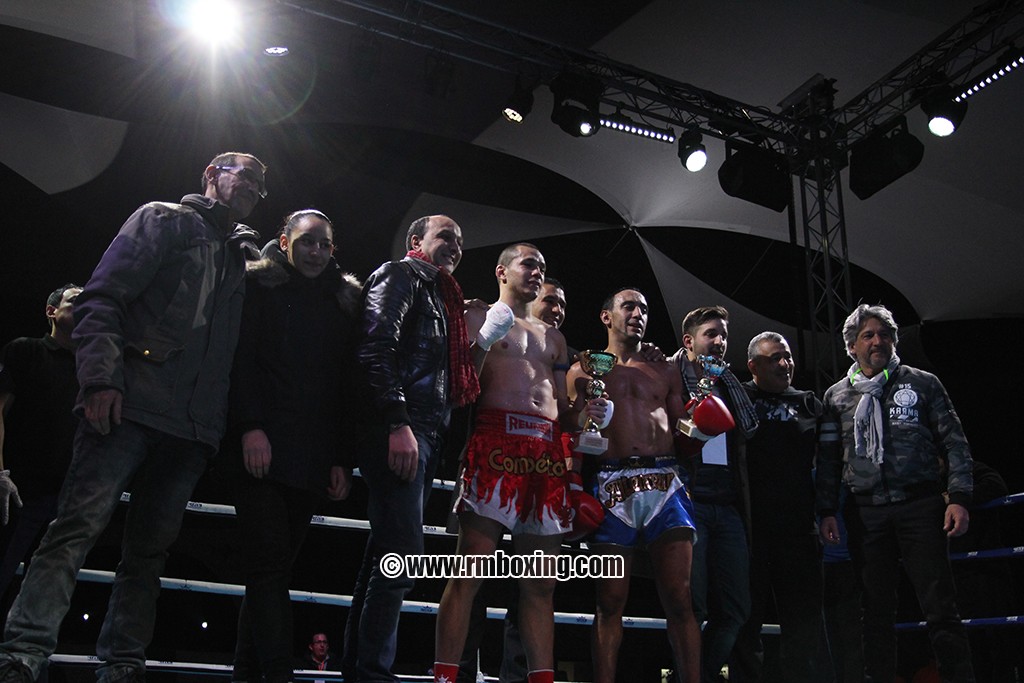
(867, 420)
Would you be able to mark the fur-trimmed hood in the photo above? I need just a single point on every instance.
(273, 270)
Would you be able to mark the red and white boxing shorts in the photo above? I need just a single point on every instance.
(515, 473)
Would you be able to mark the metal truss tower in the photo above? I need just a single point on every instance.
(811, 134)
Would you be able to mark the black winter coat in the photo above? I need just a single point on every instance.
(290, 377)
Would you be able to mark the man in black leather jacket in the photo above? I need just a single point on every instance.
(416, 378)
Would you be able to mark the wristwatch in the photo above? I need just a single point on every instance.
(395, 426)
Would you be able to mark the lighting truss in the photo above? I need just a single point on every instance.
(816, 145)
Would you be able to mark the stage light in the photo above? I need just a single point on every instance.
(1006, 64)
(276, 51)
(756, 174)
(576, 103)
(575, 121)
(213, 21)
(882, 157)
(519, 105)
(692, 151)
(944, 113)
(620, 122)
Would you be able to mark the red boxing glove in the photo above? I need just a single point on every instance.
(587, 515)
(712, 417)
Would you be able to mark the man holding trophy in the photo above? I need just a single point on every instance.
(720, 576)
(635, 476)
(515, 473)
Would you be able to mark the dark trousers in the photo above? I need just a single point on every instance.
(273, 520)
(880, 537)
(842, 621)
(785, 570)
(20, 537)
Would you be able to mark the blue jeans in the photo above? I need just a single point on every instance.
(719, 582)
(161, 472)
(396, 522)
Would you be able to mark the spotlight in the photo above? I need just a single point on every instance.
(620, 122)
(692, 151)
(757, 175)
(213, 21)
(943, 112)
(519, 104)
(575, 108)
(276, 51)
(882, 157)
(1007, 62)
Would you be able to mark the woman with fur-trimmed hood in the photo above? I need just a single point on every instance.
(290, 440)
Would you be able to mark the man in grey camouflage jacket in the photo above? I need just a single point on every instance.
(897, 425)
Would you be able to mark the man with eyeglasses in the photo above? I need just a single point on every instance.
(156, 328)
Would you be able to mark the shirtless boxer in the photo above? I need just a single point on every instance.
(515, 470)
(637, 481)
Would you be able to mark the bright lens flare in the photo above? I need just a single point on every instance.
(213, 21)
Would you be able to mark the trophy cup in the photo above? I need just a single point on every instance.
(706, 408)
(597, 364)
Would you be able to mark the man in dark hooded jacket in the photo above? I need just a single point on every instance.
(156, 328)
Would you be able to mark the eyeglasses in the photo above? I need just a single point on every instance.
(248, 175)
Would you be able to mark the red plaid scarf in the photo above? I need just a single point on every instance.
(465, 385)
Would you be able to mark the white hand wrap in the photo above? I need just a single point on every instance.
(8, 494)
(609, 409)
(497, 324)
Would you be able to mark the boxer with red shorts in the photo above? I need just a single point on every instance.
(515, 473)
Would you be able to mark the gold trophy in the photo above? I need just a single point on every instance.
(597, 364)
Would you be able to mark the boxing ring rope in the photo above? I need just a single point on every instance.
(420, 607)
(583, 619)
(202, 669)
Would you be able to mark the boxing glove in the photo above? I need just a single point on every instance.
(712, 417)
(587, 515)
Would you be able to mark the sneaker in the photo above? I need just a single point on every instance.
(13, 671)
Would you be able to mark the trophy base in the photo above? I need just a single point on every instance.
(591, 443)
(688, 428)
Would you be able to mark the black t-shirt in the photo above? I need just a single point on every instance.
(780, 457)
(40, 427)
